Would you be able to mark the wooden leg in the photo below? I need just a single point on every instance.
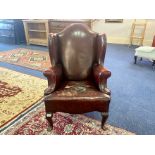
(104, 118)
(50, 122)
(135, 57)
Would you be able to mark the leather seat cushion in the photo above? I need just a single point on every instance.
(74, 89)
(82, 93)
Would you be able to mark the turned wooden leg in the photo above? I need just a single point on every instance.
(104, 118)
(135, 57)
(50, 122)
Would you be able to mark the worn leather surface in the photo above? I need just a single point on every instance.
(53, 49)
(78, 89)
(76, 106)
(101, 48)
(54, 76)
(77, 96)
(101, 74)
(78, 50)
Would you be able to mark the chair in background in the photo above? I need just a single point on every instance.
(77, 80)
(147, 52)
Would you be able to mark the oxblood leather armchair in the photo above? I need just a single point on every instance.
(77, 80)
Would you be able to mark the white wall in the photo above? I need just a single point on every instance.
(120, 32)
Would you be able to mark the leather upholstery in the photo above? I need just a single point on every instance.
(77, 51)
(101, 75)
(79, 93)
(77, 80)
(76, 89)
(54, 76)
(101, 48)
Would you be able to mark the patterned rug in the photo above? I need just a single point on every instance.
(18, 92)
(33, 59)
(34, 123)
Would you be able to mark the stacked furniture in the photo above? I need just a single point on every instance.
(12, 31)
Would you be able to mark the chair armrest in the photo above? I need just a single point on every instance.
(54, 77)
(101, 75)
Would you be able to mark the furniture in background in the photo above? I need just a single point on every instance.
(138, 31)
(113, 20)
(36, 32)
(146, 52)
(77, 80)
(56, 26)
(12, 31)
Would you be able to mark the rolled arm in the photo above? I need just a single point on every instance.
(101, 75)
(54, 77)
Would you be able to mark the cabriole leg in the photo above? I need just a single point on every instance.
(104, 118)
(50, 122)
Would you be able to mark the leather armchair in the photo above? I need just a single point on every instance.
(77, 80)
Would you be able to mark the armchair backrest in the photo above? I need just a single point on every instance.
(77, 48)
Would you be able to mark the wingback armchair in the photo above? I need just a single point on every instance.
(77, 80)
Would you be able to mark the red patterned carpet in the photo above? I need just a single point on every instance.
(33, 59)
(34, 123)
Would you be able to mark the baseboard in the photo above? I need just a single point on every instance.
(117, 40)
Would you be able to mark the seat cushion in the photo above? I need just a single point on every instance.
(77, 97)
(145, 52)
(76, 89)
(145, 49)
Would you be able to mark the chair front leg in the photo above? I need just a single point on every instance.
(104, 118)
(50, 122)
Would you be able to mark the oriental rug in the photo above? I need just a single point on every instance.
(18, 92)
(33, 59)
(34, 123)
